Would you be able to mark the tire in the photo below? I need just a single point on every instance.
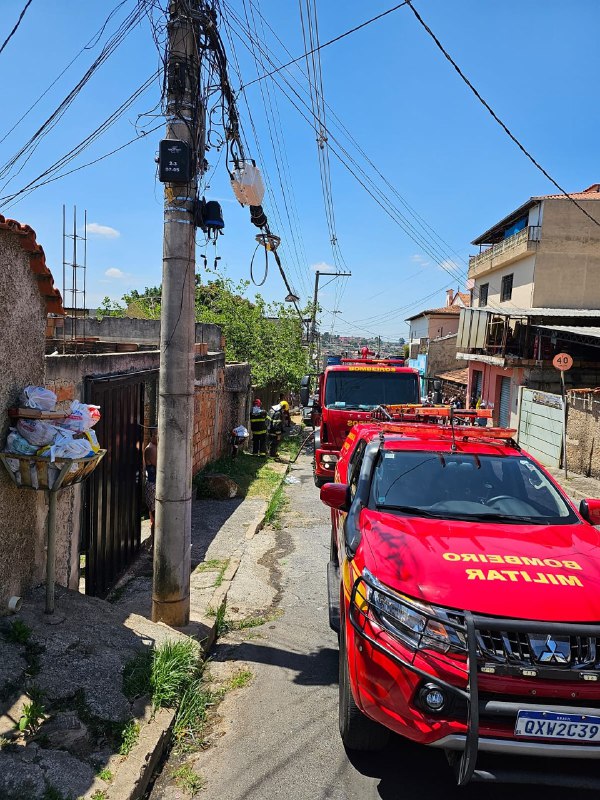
(319, 481)
(358, 732)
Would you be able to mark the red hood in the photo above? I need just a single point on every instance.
(522, 571)
(340, 423)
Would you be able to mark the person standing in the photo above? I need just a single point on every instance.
(150, 454)
(274, 428)
(258, 426)
(285, 411)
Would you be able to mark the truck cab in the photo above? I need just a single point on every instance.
(348, 393)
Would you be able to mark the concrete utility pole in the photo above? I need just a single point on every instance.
(171, 586)
(313, 326)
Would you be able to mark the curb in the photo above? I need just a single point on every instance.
(134, 773)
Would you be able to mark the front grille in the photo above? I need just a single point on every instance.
(515, 648)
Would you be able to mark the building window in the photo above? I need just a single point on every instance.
(506, 288)
(483, 294)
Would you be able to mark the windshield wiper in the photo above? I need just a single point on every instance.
(418, 512)
(496, 517)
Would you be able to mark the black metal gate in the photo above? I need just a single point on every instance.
(113, 494)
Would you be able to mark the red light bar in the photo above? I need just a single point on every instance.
(427, 431)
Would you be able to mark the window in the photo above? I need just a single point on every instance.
(506, 288)
(483, 294)
(355, 465)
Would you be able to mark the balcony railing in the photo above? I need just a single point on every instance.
(504, 250)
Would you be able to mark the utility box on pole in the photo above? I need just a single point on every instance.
(185, 130)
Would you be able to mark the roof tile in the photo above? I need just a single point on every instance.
(37, 263)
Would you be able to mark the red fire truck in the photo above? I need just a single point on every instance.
(347, 394)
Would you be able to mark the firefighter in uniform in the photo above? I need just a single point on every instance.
(275, 428)
(258, 426)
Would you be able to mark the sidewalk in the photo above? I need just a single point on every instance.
(74, 664)
(578, 487)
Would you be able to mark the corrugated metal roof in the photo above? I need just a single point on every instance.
(593, 313)
(581, 330)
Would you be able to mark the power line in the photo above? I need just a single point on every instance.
(14, 30)
(326, 44)
(487, 106)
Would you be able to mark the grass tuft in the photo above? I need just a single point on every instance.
(275, 507)
(17, 632)
(254, 475)
(240, 679)
(129, 737)
(185, 778)
(174, 665)
(105, 775)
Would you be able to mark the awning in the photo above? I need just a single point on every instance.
(458, 376)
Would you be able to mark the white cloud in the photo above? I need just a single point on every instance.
(113, 272)
(448, 265)
(104, 231)
(322, 266)
(419, 259)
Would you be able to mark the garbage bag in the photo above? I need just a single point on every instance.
(38, 397)
(37, 431)
(15, 443)
(82, 417)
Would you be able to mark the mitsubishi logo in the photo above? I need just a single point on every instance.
(550, 650)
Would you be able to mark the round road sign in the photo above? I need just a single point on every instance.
(562, 361)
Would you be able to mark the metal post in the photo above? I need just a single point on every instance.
(313, 323)
(564, 399)
(171, 585)
(51, 553)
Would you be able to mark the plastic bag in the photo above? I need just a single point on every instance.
(38, 397)
(241, 432)
(67, 446)
(82, 417)
(15, 443)
(37, 432)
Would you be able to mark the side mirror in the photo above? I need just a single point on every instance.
(336, 495)
(304, 395)
(590, 511)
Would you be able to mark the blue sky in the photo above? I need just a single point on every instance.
(536, 64)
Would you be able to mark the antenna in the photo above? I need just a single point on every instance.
(454, 447)
(77, 304)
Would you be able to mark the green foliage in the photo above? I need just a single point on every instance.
(99, 795)
(240, 679)
(105, 775)
(267, 335)
(129, 737)
(275, 507)
(109, 308)
(17, 632)
(137, 675)
(33, 715)
(254, 475)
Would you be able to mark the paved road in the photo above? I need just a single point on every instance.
(278, 737)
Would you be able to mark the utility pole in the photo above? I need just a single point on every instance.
(171, 585)
(313, 326)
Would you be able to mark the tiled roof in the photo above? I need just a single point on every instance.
(37, 263)
(591, 193)
(455, 376)
(465, 297)
(453, 310)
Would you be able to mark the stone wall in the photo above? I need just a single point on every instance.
(442, 356)
(583, 434)
(22, 512)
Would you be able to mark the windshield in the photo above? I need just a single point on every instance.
(366, 390)
(467, 487)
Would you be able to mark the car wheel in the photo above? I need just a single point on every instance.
(319, 481)
(357, 731)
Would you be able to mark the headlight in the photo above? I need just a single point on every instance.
(418, 625)
(328, 458)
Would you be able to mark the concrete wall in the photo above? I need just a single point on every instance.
(522, 292)
(568, 257)
(442, 324)
(442, 355)
(127, 329)
(22, 512)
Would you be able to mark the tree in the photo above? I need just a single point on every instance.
(110, 308)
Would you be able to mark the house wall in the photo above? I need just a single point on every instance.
(419, 329)
(568, 256)
(442, 325)
(522, 292)
(22, 512)
(490, 392)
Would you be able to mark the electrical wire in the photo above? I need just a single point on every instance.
(326, 44)
(15, 28)
(493, 114)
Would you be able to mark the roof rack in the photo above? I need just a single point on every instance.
(415, 411)
(462, 434)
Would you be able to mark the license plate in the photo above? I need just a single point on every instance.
(553, 725)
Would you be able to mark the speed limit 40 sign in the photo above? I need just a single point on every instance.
(562, 361)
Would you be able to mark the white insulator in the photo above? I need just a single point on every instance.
(247, 184)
